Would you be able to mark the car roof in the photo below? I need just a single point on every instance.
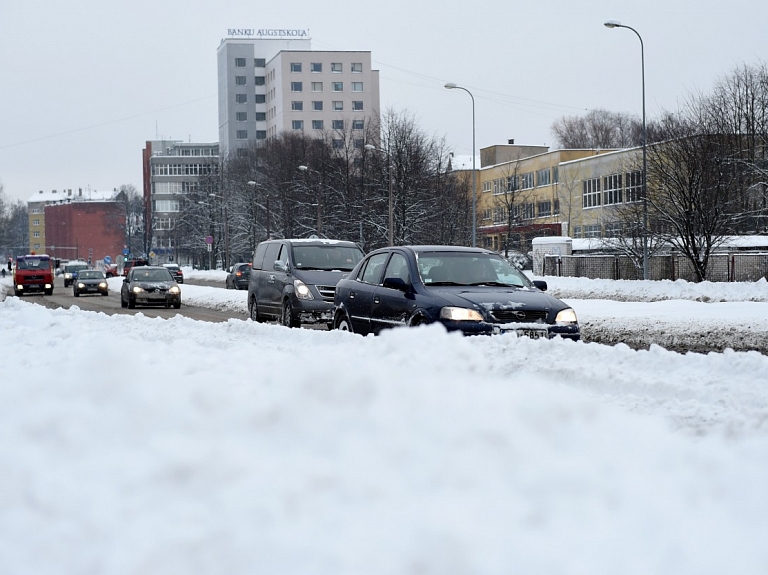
(315, 242)
(432, 248)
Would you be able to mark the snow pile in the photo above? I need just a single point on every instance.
(138, 445)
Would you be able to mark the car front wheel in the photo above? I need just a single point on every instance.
(287, 318)
(131, 303)
(342, 323)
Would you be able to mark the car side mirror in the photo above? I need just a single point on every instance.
(397, 283)
(541, 284)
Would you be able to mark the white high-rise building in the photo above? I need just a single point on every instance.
(271, 81)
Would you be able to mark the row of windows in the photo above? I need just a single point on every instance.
(173, 187)
(166, 205)
(243, 134)
(318, 86)
(335, 124)
(336, 67)
(526, 211)
(182, 169)
(243, 98)
(336, 105)
(243, 116)
(523, 181)
(258, 80)
(611, 190)
(257, 63)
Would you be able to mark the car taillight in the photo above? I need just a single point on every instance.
(238, 273)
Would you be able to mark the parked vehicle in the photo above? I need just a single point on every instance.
(71, 269)
(294, 281)
(471, 290)
(128, 264)
(32, 273)
(239, 276)
(90, 282)
(150, 285)
(176, 272)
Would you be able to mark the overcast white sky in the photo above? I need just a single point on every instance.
(84, 83)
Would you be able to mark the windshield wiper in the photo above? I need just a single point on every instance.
(444, 284)
(494, 283)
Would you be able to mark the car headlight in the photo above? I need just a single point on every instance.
(81, 285)
(137, 289)
(302, 291)
(460, 314)
(103, 284)
(174, 289)
(566, 316)
(67, 276)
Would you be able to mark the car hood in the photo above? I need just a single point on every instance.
(320, 277)
(154, 285)
(494, 298)
(90, 281)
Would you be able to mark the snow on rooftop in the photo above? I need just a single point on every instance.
(76, 196)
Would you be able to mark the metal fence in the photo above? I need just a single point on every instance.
(725, 267)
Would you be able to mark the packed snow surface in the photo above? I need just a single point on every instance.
(140, 445)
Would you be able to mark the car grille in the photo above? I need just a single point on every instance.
(155, 290)
(34, 278)
(516, 315)
(328, 292)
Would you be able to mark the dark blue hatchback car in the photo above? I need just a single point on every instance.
(471, 290)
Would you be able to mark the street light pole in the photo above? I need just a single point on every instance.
(318, 226)
(453, 86)
(390, 231)
(266, 195)
(617, 24)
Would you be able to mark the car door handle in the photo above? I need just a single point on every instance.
(351, 295)
(271, 279)
(376, 299)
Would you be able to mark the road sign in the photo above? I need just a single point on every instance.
(107, 260)
(210, 248)
(209, 240)
(126, 251)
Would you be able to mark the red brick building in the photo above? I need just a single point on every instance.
(85, 230)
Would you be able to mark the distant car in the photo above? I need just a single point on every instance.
(110, 270)
(128, 264)
(150, 285)
(70, 271)
(176, 272)
(239, 276)
(294, 280)
(90, 282)
(471, 290)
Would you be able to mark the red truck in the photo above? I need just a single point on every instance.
(33, 273)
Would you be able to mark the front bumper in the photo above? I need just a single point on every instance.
(313, 310)
(566, 331)
(157, 299)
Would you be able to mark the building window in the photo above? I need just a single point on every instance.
(297, 87)
(555, 174)
(316, 67)
(317, 124)
(240, 80)
(167, 205)
(544, 208)
(336, 67)
(357, 67)
(357, 106)
(260, 98)
(35, 222)
(337, 86)
(338, 144)
(297, 124)
(338, 124)
(499, 215)
(576, 231)
(487, 186)
(592, 231)
(239, 62)
(358, 124)
(261, 116)
(590, 196)
(357, 86)
(614, 230)
(487, 214)
(37, 246)
(317, 105)
(498, 186)
(297, 106)
(359, 143)
(527, 211)
(542, 177)
(612, 192)
(242, 134)
(260, 80)
(338, 106)
(241, 116)
(35, 234)
(317, 86)
(634, 183)
(526, 180)
(261, 134)
(259, 62)
(295, 66)
(241, 98)
(557, 207)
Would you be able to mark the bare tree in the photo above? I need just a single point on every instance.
(598, 129)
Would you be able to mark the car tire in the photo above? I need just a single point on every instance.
(49, 291)
(123, 303)
(131, 303)
(17, 293)
(177, 305)
(253, 310)
(342, 323)
(286, 318)
(417, 320)
(105, 293)
(76, 294)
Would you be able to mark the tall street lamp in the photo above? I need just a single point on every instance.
(266, 195)
(617, 24)
(452, 86)
(391, 232)
(318, 227)
(226, 229)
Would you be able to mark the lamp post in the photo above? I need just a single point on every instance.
(319, 224)
(452, 86)
(266, 195)
(617, 24)
(391, 226)
(226, 228)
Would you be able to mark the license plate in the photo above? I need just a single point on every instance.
(532, 333)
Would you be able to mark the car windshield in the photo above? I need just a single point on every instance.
(33, 264)
(326, 257)
(152, 276)
(76, 267)
(468, 269)
(90, 275)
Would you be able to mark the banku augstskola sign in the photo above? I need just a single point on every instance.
(267, 33)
